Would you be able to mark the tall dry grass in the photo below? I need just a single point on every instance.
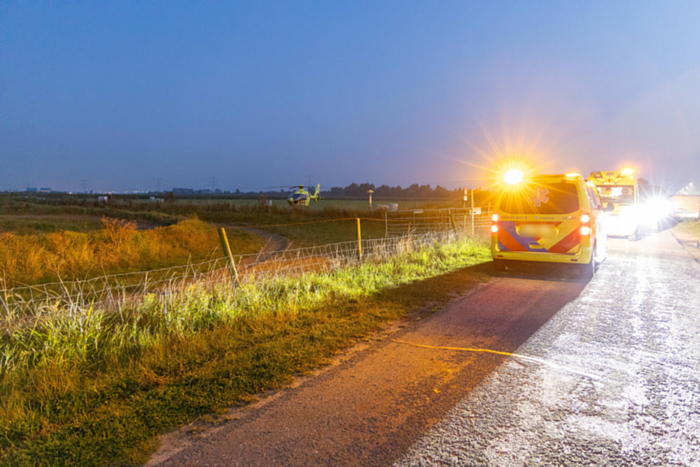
(118, 247)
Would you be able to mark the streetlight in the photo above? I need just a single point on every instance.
(370, 199)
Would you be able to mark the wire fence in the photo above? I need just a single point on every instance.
(105, 292)
(475, 221)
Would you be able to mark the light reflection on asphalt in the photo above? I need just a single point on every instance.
(637, 325)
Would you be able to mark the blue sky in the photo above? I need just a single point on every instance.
(258, 94)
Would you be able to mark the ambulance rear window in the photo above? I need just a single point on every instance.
(541, 198)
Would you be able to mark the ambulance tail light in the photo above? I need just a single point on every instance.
(494, 223)
(585, 225)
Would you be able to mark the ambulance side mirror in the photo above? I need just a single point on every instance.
(609, 207)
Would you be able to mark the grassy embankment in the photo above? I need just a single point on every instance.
(96, 389)
(688, 230)
(116, 247)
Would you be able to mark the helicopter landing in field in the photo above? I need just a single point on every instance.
(302, 197)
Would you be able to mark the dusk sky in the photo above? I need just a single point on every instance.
(258, 94)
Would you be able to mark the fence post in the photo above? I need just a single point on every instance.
(359, 239)
(452, 220)
(229, 257)
(386, 224)
(472, 198)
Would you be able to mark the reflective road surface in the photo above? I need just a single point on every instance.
(619, 384)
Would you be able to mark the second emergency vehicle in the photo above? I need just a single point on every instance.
(620, 190)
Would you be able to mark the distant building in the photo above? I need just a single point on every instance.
(102, 199)
(32, 189)
(45, 190)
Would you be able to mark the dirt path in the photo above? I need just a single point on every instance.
(371, 406)
(274, 244)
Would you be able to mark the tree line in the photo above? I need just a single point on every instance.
(414, 191)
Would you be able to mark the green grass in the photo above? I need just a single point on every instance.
(324, 233)
(33, 225)
(96, 389)
(349, 204)
(690, 229)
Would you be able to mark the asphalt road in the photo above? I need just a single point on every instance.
(635, 331)
(616, 382)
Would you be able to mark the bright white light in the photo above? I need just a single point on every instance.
(494, 218)
(513, 176)
(656, 210)
(585, 218)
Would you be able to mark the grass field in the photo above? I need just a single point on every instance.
(238, 212)
(356, 205)
(324, 233)
(96, 389)
(116, 247)
(689, 229)
(23, 225)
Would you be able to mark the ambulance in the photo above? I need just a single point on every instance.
(548, 218)
(620, 190)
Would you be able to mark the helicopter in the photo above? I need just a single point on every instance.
(302, 197)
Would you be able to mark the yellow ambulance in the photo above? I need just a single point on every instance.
(619, 189)
(548, 218)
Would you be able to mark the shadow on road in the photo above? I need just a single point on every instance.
(552, 272)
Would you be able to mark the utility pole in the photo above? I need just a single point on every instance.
(84, 182)
(472, 199)
(158, 190)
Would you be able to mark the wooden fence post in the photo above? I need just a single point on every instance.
(359, 239)
(229, 257)
(452, 220)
